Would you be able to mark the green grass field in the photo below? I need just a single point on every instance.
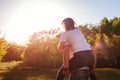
(7, 72)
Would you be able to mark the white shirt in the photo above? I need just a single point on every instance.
(76, 39)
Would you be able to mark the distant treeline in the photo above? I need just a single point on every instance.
(41, 49)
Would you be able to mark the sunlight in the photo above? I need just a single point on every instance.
(98, 45)
(33, 16)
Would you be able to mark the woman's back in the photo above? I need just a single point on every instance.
(77, 40)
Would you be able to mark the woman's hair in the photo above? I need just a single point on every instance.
(68, 23)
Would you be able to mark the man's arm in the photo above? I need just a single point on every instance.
(66, 57)
(60, 47)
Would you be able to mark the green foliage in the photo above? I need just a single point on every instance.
(109, 52)
(116, 26)
(106, 40)
(3, 47)
(105, 27)
(110, 27)
(13, 52)
(114, 50)
(110, 32)
(41, 50)
(85, 30)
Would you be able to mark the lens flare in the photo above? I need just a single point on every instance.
(98, 45)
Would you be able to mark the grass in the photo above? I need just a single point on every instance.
(43, 74)
(11, 71)
(107, 74)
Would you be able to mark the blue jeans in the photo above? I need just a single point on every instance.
(60, 75)
(80, 59)
(80, 75)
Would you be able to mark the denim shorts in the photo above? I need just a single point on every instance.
(81, 59)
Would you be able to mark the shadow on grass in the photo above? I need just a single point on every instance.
(107, 74)
(18, 73)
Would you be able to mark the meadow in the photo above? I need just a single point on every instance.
(11, 71)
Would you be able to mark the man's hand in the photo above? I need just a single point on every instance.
(66, 72)
(92, 71)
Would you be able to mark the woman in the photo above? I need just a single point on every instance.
(83, 59)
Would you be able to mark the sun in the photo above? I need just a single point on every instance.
(33, 16)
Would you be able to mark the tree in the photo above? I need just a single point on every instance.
(115, 23)
(105, 27)
(41, 50)
(14, 52)
(3, 47)
(85, 30)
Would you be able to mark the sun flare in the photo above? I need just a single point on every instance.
(33, 16)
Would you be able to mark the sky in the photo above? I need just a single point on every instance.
(21, 18)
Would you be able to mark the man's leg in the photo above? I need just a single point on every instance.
(80, 75)
(60, 75)
(92, 76)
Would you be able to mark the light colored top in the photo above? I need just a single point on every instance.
(76, 39)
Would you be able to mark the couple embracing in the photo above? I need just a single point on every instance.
(82, 63)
